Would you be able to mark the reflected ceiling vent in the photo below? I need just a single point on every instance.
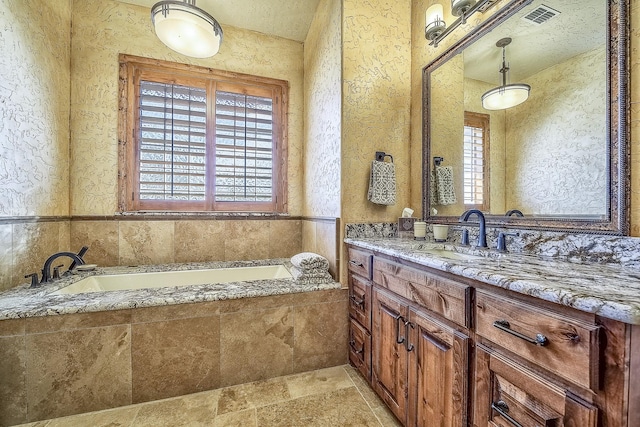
(540, 15)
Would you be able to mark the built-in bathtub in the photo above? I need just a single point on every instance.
(120, 282)
(183, 332)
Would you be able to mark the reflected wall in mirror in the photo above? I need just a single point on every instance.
(558, 157)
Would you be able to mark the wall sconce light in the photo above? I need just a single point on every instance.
(505, 96)
(436, 29)
(186, 28)
(461, 7)
(434, 22)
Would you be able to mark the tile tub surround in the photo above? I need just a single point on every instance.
(608, 290)
(58, 365)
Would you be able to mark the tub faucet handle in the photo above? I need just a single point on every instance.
(56, 271)
(34, 280)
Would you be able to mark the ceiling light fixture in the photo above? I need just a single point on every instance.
(186, 28)
(507, 95)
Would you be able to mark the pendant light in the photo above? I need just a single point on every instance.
(186, 28)
(505, 96)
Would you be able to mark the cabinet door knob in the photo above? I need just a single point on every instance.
(504, 325)
(502, 408)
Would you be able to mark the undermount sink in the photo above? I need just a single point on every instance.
(444, 253)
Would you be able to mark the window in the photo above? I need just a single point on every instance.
(476, 161)
(197, 139)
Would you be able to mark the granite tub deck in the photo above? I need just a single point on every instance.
(608, 290)
(71, 354)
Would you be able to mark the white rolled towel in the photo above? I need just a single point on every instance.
(310, 262)
(313, 277)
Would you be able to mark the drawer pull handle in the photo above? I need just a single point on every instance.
(356, 263)
(399, 339)
(503, 325)
(502, 408)
(352, 344)
(359, 302)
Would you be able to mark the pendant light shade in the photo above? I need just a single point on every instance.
(186, 28)
(507, 95)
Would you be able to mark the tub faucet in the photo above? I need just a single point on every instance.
(77, 260)
(515, 212)
(482, 234)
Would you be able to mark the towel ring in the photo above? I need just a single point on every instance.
(380, 155)
(438, 160)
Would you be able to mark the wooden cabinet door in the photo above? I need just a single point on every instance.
(508, 394)
(390, 357)
(438, 373)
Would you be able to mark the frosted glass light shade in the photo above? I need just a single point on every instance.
(434, 22)
(458, 7)
(504, 97)
(186, 28)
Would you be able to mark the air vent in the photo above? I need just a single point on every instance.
(540, 15)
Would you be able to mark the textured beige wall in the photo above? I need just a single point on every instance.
(322, 109)
(447, 125)
(541, 152)
(34, 133)
(34, 108)
(376, 94)
(104, 28)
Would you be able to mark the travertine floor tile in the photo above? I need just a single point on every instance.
(320, 381)
(121, 417)
(191, 410)
(344, 407)
(322, 398)
(252, 395)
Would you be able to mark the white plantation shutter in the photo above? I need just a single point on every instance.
(198, 139)
(475, 161)
(244, 148)
(172, 143)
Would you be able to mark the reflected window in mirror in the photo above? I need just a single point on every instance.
(476, 160)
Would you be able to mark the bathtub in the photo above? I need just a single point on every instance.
(118, 282)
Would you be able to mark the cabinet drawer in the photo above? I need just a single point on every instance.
(435, 293)
(360, 262)
(360, 348)
(509, 394)
(360, 300)
(566, 346)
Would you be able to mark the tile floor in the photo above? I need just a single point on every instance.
(329, 397)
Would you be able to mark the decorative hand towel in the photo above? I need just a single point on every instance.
(308, 261)
(382, 183)
(441, 185)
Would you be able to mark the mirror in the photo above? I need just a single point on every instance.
(559, 157)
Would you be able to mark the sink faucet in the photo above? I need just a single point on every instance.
(77, 260)
(482, 235)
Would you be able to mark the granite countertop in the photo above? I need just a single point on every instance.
(608, 290)
(23, 302)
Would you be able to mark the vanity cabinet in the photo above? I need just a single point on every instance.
(449, 351)
(359, 278)
(420, 363)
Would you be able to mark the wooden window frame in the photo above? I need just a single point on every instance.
(132, 69)
(480, 120)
